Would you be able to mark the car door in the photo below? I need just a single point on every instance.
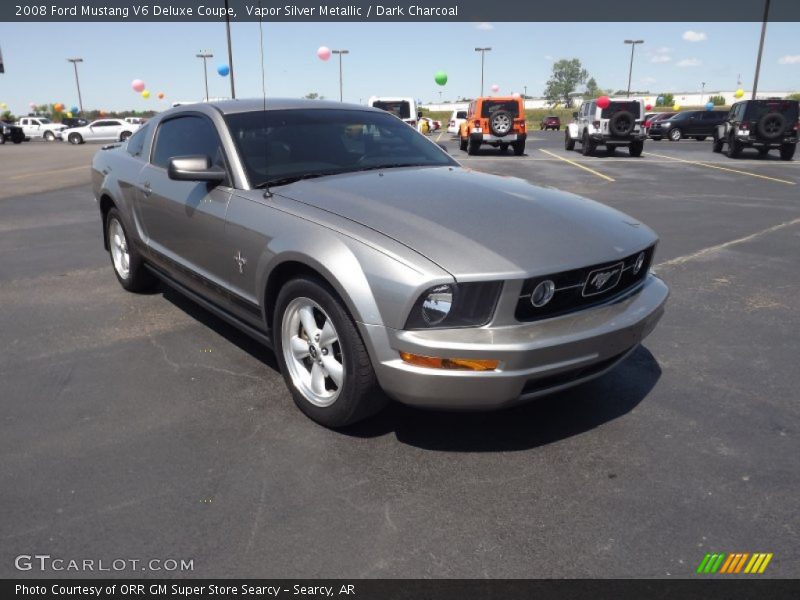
(184, 221)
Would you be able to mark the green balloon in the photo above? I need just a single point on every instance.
(440, 77)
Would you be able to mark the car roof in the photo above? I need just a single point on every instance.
(229, 107)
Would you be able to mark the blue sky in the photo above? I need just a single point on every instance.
(384, 59)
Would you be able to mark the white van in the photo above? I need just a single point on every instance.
(402, 108)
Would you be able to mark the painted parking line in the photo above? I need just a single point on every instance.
(729, 170)
(580, 166)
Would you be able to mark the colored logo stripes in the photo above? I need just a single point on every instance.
(736, 562)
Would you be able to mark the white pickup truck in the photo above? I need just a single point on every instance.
(40, 127)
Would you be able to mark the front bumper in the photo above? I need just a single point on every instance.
(535, 358)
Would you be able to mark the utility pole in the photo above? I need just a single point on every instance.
(483, 52)
(703, 92)
(75, 62)
(340, 53)
(230, 48)
(630, 69)
(205, 55)
(761, 47)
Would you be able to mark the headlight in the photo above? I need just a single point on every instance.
(455, 305)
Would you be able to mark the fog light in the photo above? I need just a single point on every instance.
(454, 364)
(543, 293)
(637, 266)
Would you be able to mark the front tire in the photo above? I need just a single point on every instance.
(75, 139)
(127, 262)
(734, 149)
(569, 143)
(49, 136)
(675, 135)
(718, 144)
(322, 357)
(587, 145)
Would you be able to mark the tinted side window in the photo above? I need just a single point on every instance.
(136, 142)
(187, 136)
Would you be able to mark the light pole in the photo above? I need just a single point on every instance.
(340, 52)
(75, 62)
(703, 92)
(230, 48)
(483, 52)
(205, 55)
(526, 90)
(761, 46)
(630, 69)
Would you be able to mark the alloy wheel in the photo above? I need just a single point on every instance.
(119, 249)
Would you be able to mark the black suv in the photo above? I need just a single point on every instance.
(697, 124)
(11, 132)
(761, 124)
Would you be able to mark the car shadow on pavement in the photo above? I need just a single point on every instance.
(536, 423)
(253, 347)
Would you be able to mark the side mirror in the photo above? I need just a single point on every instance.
(575, 115)
(194, 168)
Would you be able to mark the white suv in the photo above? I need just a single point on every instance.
(619, 124)
(402, 108)
(456, 119)
(41, 127)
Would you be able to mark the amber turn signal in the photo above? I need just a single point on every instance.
(460, 364)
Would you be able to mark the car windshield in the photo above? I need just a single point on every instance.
(756, 110)
(616, 107)
(492, 106)
(399, 108)
(281, 146)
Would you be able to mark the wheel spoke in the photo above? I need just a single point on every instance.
(334, 369)
(299, 347)
(328, 335)
(317, 379)
(308, 321)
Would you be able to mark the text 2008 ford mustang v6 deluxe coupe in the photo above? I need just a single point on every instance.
(372, 262)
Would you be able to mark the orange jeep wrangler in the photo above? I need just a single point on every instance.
(497, 121)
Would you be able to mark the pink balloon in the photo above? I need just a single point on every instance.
(323, 53)
(603, 102)
(495, 88)
(648, 107)
(137, 85)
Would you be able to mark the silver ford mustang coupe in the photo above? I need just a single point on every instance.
(371, 262)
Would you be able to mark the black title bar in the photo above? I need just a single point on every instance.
(402, 11)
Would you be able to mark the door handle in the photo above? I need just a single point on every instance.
(146, 189)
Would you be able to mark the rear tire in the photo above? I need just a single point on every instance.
(519, 148)
(636, 149)
(127, 262)
(587, 145)
(75, 139)
(734, 149)
(787, 151)
(569, 143)
(339, 386)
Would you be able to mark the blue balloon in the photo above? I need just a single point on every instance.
(223, 70)
(709, 105)
(74, 110)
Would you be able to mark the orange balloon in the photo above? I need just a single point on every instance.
(160, 95)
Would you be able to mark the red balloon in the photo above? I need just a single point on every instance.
(648, 107)
(603, 102)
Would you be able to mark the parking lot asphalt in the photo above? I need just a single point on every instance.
(141, 427)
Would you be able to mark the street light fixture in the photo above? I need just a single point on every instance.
(483, 52)
(703, 92)
(205, 55)
(75, 62)
(630, 70)
(340, 52)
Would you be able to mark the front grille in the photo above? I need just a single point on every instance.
(576, 290)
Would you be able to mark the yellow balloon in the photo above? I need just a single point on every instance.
(146, 94)
(69, 115)
(3, 105)
(739, 93)
(676, 107)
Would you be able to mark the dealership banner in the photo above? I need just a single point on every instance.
(404, 10)
(408, 589)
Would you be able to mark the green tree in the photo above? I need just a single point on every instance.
(717, 100)
(7, 116)
(592, 90)
(668, 99)
(567, 75)
(793, 97)
(313, 96)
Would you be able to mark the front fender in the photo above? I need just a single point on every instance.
(573, 131)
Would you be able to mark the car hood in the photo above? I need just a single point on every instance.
(476, 225)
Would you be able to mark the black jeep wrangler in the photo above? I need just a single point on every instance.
(761, 124)
(11, 133)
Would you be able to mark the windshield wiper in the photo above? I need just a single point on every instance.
(391, 166)
(292, 178)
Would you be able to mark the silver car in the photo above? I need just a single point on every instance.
(371, 262)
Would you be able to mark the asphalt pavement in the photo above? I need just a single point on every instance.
(141, 427)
